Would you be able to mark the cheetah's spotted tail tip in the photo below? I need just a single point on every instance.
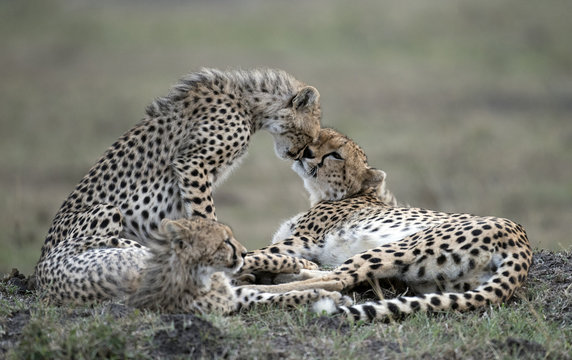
(326, 305)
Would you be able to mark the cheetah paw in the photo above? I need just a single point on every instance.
(307, 264)
(244, 279)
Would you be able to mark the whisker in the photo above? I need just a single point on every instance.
(313, 171)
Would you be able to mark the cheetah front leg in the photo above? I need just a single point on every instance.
(264, 264)
(275, 263)
(287, 256)
(195, 186)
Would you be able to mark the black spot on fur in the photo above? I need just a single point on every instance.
(393, 308)
(369, 311)
(435, 301)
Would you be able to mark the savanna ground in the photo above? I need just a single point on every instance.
(535, 324)
(466, 105)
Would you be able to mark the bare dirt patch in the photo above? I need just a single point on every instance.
(189, 336)
(553, 273)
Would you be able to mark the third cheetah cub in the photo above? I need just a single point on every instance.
(187, 272)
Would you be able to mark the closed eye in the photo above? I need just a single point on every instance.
(335, 155)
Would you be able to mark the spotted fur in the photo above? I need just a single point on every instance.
(167, 165)
(453, 261)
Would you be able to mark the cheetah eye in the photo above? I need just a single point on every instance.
(335, 155)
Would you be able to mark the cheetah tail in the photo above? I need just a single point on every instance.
(399, 307)
(496, 289)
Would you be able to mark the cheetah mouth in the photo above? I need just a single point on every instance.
(305, 170)
(236, 266)
(297, 156)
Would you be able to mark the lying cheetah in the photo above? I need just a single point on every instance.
(453, 261)
(187, 272)
(166, 166)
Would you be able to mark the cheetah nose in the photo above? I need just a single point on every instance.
(308, 153)
(243, 254)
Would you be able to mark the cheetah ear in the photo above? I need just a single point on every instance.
(307, 97)
(168, 225)
(372, 178)
(177, 234)
(171, 227)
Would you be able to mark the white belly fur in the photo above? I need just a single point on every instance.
(345, 242)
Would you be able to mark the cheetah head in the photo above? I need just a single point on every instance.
(334, 167)
(297, 124)
(202, 242)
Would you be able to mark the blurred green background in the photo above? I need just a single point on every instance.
(467, 105)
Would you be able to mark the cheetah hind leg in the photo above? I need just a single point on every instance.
(304, 274)
(484, 275)
(92, 268)
(249, 296)
(97, 220)
(329, 282)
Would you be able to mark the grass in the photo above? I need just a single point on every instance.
(465, 105)
(52, 335)
(536, 324)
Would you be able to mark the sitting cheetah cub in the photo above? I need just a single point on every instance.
(453, 261)
(187, 272)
